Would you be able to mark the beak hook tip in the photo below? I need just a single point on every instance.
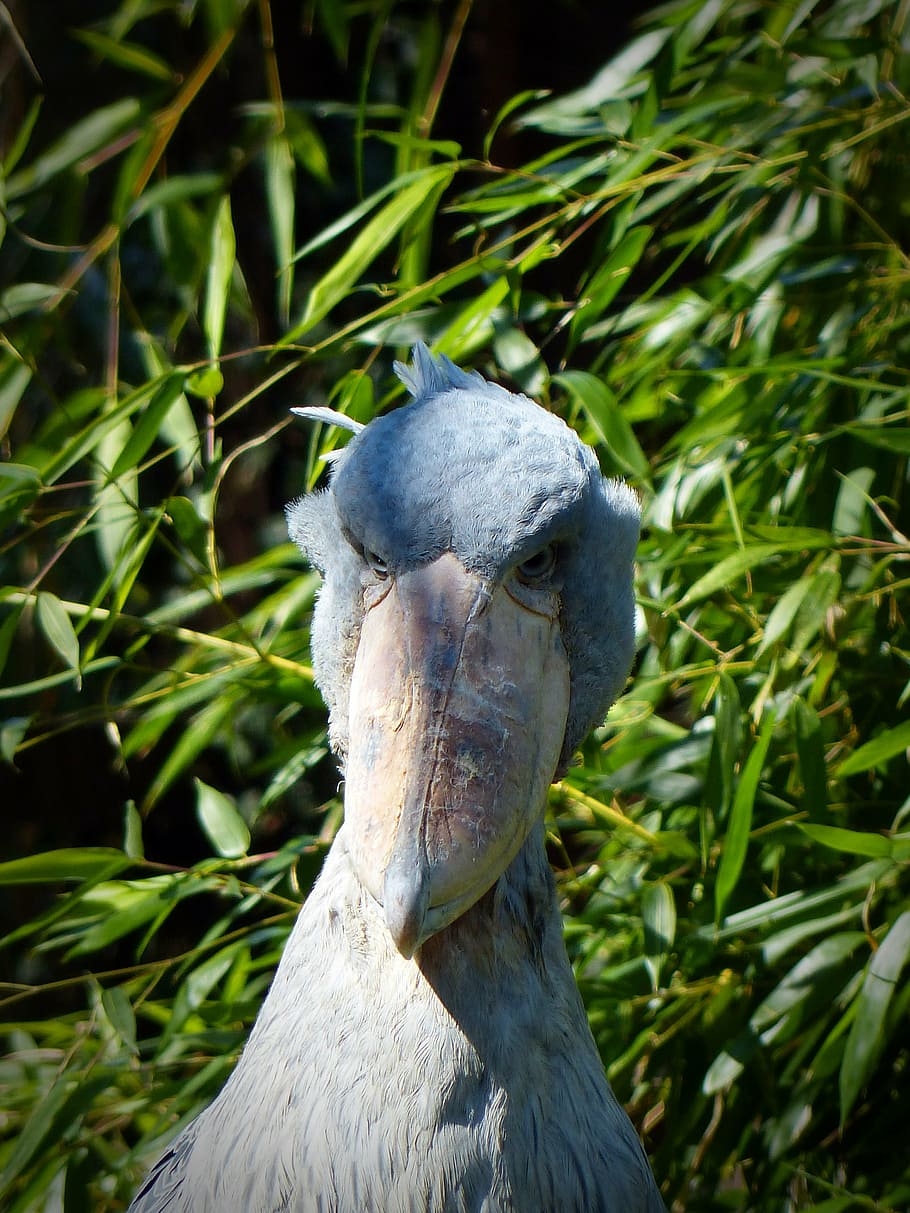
(405, 903)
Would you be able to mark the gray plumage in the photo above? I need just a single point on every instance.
(449, 1070)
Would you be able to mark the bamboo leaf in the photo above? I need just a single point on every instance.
(603, 411)
(869, 1033)
(279, 181)
(224, 827)
(119, 1010)
(145, 431)
(75, 863)
(196, 988)
(736, 840)
(376, 235)
(26, 297)
(811, 750)
(129, 55)
(783, 613)
(851, 842)
(876, 752)
(658, 915)
(86, 136)
(15, 377)
(57, 627)
(222, 251)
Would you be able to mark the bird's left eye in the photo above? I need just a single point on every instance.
(378, 566)
(539, 566)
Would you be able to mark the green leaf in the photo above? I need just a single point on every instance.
(132, 831)
(603, 411)
(725, 744)
(128, 55)
(12, 732)
(736, 840)
(26, 297)
(15, 376)
(119, 1010)
(279, 182)
(222, 250)
(811, 750)
(57, 627)
(729, 570)
(124, 906)
(224, 827)
(205, 382)
(145, 430)
(204, 725)
(876, 752)
(116, 498)
(178, 188)
(368, 243)
(7, 633)
(617, 79)
(609, 277)
(895, 439)
(196, 988)
(658, 915)
(520, 358)
(853, 501)
(36, 1128)
(869, 1033)
(783, 613)
(824, 592)
(80, 140)
(851, 842)
(69, 863)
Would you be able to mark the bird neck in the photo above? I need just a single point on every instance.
(512, 934)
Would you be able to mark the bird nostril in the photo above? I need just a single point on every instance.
(482, 600)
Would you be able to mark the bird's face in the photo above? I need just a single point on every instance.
(456, 719)
(475, 621)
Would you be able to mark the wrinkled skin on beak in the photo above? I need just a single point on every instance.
(458, 709)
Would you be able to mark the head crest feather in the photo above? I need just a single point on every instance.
(430, 375)
(318, 412)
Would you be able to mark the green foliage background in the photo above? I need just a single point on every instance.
(699, 257)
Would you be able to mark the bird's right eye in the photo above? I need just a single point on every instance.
(378, 567)
(538, 567)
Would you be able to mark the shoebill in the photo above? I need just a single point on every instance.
(423, 1047)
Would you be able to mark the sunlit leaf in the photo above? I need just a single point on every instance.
(76, 863)
(119, 1011)
(57, 627)
(868, 1034)
(736, 839)
(279, 180)
(26, 297)
(367, 244)
(144, 432)
(604, 412)
(87, 135)
(222, 250)
(879, 750)
(15, 377)
(129, 55)
(852, 842)
(225, 828)
(658, 915)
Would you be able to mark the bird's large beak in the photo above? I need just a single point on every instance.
(458, 709)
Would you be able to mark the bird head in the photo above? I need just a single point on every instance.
(475, 621)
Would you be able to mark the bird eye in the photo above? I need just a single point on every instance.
(538, 566)
(378, 566)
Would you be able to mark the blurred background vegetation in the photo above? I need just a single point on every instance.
(688, 234)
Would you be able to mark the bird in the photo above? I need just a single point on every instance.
(423, 1047)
